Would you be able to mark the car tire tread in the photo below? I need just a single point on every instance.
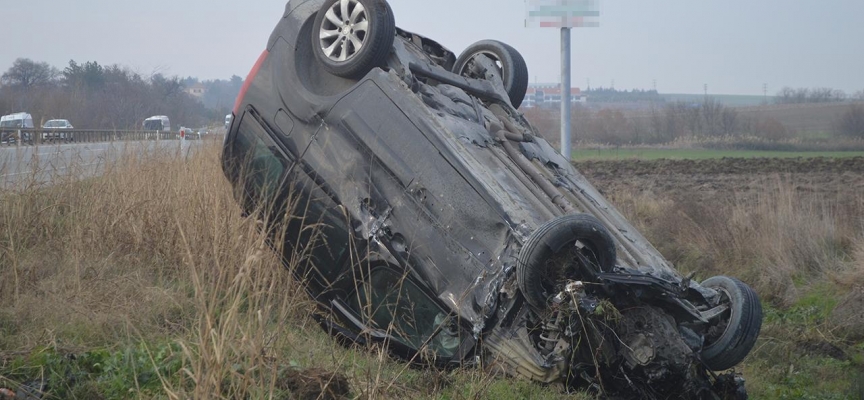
(550, 238)
(745, 324)
(515, 69)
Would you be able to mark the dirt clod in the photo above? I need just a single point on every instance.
(314, 383)
(6, 394)
(823, 349)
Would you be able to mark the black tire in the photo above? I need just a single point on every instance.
(539, 281)
(376, 41)
(514, 71)
(744, 322)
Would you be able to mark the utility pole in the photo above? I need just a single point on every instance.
(654, 85)
(564, 14)
(566, 139)
(706, 90)
(765, 93)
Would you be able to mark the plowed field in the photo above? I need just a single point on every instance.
(715, 179)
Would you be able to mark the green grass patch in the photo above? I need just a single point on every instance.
(700, 154)
(795, 377)
(95, 374)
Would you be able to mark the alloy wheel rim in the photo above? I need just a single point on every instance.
(344, 30)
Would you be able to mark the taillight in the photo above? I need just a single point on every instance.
(249, 80)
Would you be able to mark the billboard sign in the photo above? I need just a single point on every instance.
(562, 13)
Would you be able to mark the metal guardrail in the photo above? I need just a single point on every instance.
(11, 137)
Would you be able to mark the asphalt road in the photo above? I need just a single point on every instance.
(45, 162)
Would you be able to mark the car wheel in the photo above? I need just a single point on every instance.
(350, 37)
(729, 342)
(572, 247)
(511, 67)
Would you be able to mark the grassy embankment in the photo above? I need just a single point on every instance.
(145, 282)
(148, 283)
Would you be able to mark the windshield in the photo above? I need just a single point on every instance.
(153, 125)
(11, 124)
(59, 123)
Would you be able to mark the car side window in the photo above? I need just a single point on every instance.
(259, 164)
(392, 303)
(316, 233)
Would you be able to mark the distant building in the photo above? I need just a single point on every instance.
(549, 95)
(197, 90)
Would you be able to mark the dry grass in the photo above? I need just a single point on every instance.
(155, 251)
(152, 259)
(781, 241)
(804, 255)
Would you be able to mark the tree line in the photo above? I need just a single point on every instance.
(789, 95)
(664, 123)
(95, 96)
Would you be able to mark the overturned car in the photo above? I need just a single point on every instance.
(432, 217)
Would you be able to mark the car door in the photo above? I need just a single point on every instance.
(304, 223)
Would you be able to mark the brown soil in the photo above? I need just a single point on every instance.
(728, 178)
(315, 383)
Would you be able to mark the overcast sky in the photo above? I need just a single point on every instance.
(733, 46)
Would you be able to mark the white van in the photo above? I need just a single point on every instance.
(159, 123)
(10, 124)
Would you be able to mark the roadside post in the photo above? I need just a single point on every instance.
(564, 14)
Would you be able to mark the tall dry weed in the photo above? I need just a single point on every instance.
(780, 240)
(154, 247)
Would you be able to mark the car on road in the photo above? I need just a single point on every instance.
(421, 210)
(58, 130)
(187, 134)
(11, 127)
(158, 123)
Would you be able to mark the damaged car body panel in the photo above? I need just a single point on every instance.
(432, 198)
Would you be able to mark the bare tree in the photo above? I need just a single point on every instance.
(712, 114)
(26, 73)
(729, 121)
(820, 95)
(788, 95)
(801, 95)
(851, 122)
(785, 96)
(838, 95)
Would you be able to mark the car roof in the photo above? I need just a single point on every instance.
(16, 116)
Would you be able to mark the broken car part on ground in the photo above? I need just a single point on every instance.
(432, 217)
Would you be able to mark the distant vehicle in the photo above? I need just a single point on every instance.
(188, 134)
(58, 130)
(10, 124)
(159, 123)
